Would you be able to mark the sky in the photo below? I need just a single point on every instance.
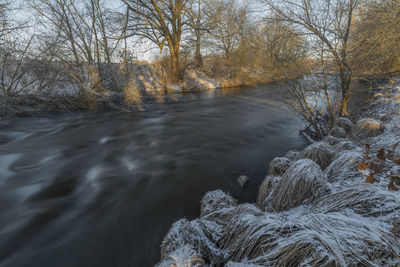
(145, 51)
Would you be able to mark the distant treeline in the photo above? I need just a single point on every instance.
(45, 44)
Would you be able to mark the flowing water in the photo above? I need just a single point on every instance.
(102, 189)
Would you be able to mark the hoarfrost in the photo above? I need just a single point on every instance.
(344, 166)
(320, 152)
(345, 123)
(303, 181)
(265, 189)
(293, 155)
(216, 200)
(183, 257)
(338, 132)
(278, 166)
(367, 127)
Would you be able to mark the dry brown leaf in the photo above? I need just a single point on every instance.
(391, 153)
(376, 167)
(392, 187)
(381, 154)
(396, 180)
(363, 166)
(370, 179)
(367, 151)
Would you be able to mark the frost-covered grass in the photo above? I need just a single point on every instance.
(314, 217)
(303, 181)
(368, 128)
(278, 166)
(265, 189)
(321, 153)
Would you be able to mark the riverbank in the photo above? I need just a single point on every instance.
(337, 202)
(146, 89)
(145, 86)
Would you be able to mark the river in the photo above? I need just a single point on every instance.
(103, 188)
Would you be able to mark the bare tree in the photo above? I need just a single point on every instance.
(375, 39)
(329, 21)
(229, 25)
(163, 23)
(202, 20)
(314, 99)
(8, 25)
(282, 43)
(81, 33)
(17, 61)
(198, 26)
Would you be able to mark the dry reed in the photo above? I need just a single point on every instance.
(369, 127)
(265, 189)
(303, 181)
(321, 153)
(278, 166)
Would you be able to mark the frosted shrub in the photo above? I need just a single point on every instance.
(365, 128)
(303, 181)
(278, 166)
(265, 189)
(321, 153)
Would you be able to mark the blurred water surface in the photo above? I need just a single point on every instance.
(102, 189)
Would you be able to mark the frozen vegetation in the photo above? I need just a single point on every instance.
(336, 203)
(141, 85)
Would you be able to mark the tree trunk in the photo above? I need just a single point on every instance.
(198, 56)
(175, 65)
(345, 77)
